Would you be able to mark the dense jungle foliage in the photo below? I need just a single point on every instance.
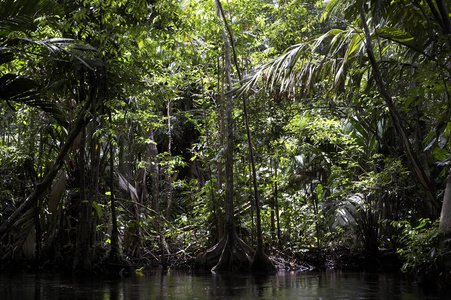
(228, 135)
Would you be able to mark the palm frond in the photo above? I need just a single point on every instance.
(20, 15)
(329, 56)
(18, 23)
(63, 49)
(23, 90)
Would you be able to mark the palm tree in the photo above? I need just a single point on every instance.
(395, 53)
(18, 23)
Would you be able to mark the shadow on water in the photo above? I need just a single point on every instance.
(182, 285)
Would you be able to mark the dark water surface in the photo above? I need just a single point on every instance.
(177, 285)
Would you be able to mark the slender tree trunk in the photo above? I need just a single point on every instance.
(260, 262)
(222, 133)
(114, 251)
(273, 220)
(446, 19)
(163, 244)
(230, 253)
(445, 217)
(276, 203)
(82, 257)
(419, 171)
(154, 171)
(95, 175)
(169, 171)
(38, 231)
(273, 209)
(229, 225)
(249, 137)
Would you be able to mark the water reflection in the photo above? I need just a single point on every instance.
(179, 285)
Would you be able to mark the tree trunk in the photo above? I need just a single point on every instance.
(442, 15)
(114, 255)
(260, 262)
(276, 203)
(445, 230)
(229, 225)
(154, 171)
(95, 174)
(445, 216)
(169, 170)
(272, 206)
(396, 118)
(220, 165)
(230, 253)
(82, 258)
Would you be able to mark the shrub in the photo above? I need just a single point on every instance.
(420, 248)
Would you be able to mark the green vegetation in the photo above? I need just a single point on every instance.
(237, 135)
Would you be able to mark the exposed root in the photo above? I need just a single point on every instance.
(229, 254)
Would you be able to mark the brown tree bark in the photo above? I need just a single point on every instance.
(260, 261)
(154, 170)
(445, 216)
(276, 204)
(446, 19)
(220, 165)
(169, 170)
(230, 253)
(114, 255)
(82, 258)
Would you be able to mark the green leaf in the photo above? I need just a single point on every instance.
(447, 130)
(320, 191)
(440, 154)
(97, 208)
(395, 35)
(423, 223)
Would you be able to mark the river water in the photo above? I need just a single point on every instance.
(181, 285)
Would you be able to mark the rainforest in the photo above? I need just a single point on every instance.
(242, 136)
